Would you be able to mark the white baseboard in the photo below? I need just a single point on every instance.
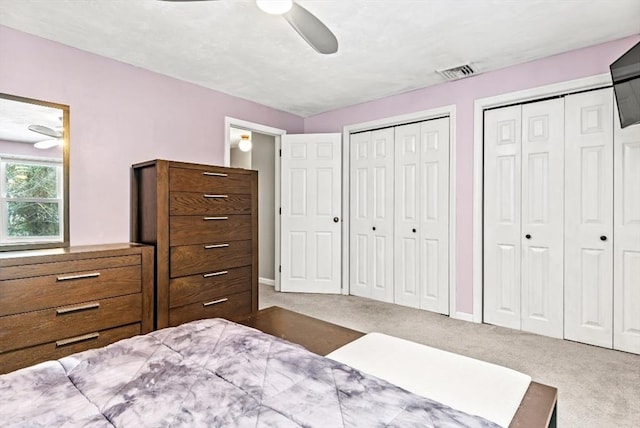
(462, 316)
(267, 281)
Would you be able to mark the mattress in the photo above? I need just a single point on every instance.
(473, 386)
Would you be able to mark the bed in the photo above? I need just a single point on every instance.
(218, 373)
(537, 408)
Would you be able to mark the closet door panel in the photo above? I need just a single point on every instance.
(542, 217)
(371, 236)
(382, 210)
(626, 291)
(434, 215)
(360, 215)
(502, 212)
(406, 241)
(588, 283)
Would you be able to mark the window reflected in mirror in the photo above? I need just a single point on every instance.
(33, 174)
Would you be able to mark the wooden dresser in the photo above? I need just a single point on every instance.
(203, 221)
(57, 302)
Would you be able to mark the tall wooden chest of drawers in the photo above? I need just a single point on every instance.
(57, 302)
(203, 221)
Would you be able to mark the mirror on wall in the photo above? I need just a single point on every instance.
(34, 174)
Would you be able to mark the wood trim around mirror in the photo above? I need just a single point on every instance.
(66, 121)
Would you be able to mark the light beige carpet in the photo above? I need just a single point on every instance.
(596, 387)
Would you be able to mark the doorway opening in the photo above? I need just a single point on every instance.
(262, 155)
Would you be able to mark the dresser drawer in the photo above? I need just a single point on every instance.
(68, 267)
(193, 259)
(231, 306)
(208, 181)
(41, 292)
(33, 328)
(15, 360)
(186, 230)
(189, 203)
(198, 288)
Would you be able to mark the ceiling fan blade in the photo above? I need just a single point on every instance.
(45, 130)
(312, 30)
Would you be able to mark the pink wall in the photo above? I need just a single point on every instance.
(572, 65)
(120, 115)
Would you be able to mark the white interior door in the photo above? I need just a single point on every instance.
(542, 235)
(626, 268)
(502, 221)
(407, 216)
(311, 211)
(371, 214)
(434, 215)
(588, 282)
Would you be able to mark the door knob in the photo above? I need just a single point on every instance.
(603, 238)
(413, 230)
(374, 228)
(336, 219)
(527, 236)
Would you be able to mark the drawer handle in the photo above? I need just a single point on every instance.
(215, 196)
(214, 302)
(209, 275)
(81, 276)
(215, 174)
(72, 340)
(208, 247)
(86, 307)
(215, 218)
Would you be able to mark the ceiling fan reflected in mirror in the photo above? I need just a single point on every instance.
(45, 130)
(310, 28)
(55, 136)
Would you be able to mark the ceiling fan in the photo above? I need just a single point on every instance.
(310, 28)
(55, 136)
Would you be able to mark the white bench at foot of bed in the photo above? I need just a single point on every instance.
(473, 386)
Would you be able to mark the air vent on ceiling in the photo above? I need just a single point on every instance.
(456, 73)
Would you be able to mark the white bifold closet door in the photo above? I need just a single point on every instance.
(589, 239)
(421, 224)
(626, 245)
(523, 220)
(371, 214)
(562, 220)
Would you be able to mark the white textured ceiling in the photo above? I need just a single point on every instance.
(386, 47)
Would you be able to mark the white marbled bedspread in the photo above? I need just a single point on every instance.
(211, 373)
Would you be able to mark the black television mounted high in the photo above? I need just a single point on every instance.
(625, 73)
